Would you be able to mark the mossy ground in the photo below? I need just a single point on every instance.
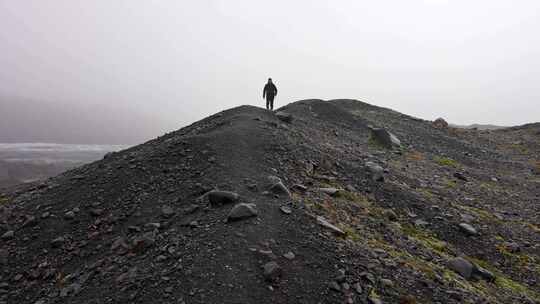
(446, 161)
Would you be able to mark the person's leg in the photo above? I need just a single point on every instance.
(267, 103)
(272, 103)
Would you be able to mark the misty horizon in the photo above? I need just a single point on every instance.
(106, 72)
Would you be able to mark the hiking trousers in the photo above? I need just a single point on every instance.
(269, 102)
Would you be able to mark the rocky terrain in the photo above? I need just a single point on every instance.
(319, 202)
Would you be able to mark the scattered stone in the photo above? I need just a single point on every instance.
(45, 214)
(468, 229)
(460, 176)
(323, 222)
(358, 288)
(329, 191)
(280, 189)
(167, 211)
(242, 211)
(335, 286)
(272, 271)
(483, 273)
(69, 215)
(299, 187)
(96, 212)
(384, 138)
(285, 209)
(57, 242)
(120, 246)
(420, 223)
(289, 255)
(8, 235)
(390, 215)
(387, 283)
(340, 278)
(462, 267)
(284, 116)
(217, 197)
(191, 209)
(375, 171)
(467, 218)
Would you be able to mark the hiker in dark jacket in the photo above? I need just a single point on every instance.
(270, 91)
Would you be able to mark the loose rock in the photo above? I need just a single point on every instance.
(242, 211)
(217, 197)
(272, 271)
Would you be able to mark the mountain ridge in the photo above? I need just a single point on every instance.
(323, 214)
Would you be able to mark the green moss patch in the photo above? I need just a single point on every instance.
(446, 161)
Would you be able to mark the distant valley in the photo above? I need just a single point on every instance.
(27, 162)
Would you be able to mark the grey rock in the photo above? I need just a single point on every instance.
(217, 197)
(8, 235)
(483, 273)
(335, 286)
(323, 222)
(69, 215)
(167, 211)
(440, 123)
(299, 187)
(375, 171)
(391, 215)
(96, 211)
(284, 116)
(57, 242)
(468, 229)
(340, 278)
(462, 267)
(280, 189)
(420, 223)
(467, 218)
(289, 255)
(358, 288)
(329, 191)
(387, 283)
(285, 209)
(461, 176)
(242, 211)
(272, 271)
(384, 138)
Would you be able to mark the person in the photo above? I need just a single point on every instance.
(270, 91)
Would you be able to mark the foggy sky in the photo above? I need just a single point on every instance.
(105, 71)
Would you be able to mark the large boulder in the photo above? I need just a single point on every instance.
(462, 267)
(440, 123)
(285, 117)
(384, 138)
(242, 211)
(280, 189)
(375, 171)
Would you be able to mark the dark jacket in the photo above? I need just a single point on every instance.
(269, 90)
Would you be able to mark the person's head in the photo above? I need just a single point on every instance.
(269, 80)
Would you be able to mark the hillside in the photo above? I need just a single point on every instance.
(315, 210)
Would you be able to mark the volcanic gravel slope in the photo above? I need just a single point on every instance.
(139, 227)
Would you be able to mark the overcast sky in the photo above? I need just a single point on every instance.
(112, 71)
